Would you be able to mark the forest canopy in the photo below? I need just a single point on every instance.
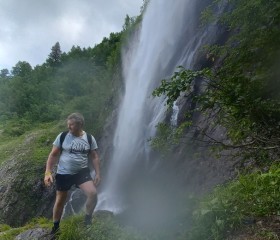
(81, 80)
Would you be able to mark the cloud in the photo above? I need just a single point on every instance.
(30, 28)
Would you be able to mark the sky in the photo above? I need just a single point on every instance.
(29, 28)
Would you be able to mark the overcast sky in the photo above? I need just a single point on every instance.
(29, 28)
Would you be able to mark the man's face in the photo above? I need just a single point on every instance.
(73, 126)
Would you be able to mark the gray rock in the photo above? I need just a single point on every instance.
(34, 234)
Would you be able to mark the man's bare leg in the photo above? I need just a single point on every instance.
(60, 200)
(91, 193)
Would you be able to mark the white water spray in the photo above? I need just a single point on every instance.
(168, 38)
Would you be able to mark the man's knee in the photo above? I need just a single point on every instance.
(92, 194)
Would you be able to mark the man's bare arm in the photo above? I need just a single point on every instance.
(52, 160)
(96, 165)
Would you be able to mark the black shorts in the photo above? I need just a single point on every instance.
(65, 181)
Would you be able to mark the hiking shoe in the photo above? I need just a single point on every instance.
(54, 232)
(87, 220)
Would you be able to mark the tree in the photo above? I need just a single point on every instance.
(4, 73)
(55, 55)
(22, 69)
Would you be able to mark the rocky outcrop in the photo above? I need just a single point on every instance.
(22, 192)
(36, 233)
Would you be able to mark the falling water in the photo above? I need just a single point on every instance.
(169, 36)
(174, 116)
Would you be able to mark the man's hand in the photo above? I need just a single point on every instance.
(96, 180)
(48, 180)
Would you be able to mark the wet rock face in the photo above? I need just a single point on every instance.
(75, 202)
(23, 198)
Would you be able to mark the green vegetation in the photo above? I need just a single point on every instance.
(103, 228)
(83, 80)
(72, 229)
(248, 198)
(168, 136)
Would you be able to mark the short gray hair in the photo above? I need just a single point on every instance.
(78, 118)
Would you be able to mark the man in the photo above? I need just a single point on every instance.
(72, 158)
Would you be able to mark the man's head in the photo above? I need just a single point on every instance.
(75, 122)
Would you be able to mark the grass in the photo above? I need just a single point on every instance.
(35, 140)
(72, 228)
(101, 229)
(7, 146)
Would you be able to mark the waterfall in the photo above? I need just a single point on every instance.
(169, 36)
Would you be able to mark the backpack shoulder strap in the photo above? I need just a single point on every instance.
(89, 138)
(62, 137)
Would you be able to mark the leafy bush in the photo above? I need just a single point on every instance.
(250, 196)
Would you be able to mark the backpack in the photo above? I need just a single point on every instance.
(63, 135)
